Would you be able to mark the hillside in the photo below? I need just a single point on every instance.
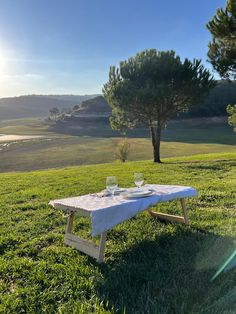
(151, 267)
(39, 105)
(215, 104)
(36, 105)
(94, 106)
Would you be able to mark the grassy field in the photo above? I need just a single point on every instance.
(151, 267)
(68, 146)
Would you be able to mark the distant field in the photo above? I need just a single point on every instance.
(62, 146)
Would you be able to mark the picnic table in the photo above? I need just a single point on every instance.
(106, 212)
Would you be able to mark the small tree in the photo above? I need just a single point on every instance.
(151, 87)
(123, 150)
(231, 109)
(54, 113)
(222, 48)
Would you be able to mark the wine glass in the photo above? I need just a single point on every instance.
(111, 184)
(138, 179)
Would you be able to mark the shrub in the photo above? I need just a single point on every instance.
(231, 109)
(123, 150)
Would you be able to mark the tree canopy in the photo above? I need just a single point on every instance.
(222, 48)
(152, 86)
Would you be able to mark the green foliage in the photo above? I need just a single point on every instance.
(222, 48)
(153, 86)
(150, 267)
(122, 150)
(231, 109)
(120, 121)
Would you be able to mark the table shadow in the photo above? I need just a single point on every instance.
(170, 274)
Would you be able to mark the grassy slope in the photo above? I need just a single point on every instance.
(181, 138)
(150, 267)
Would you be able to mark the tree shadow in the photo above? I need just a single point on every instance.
(170, 274)
(176, 132)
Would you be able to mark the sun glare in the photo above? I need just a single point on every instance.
(3, 63)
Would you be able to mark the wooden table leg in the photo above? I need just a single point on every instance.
(83, 245)
(70, 220)
(102, 247)
(183, 204)
(173, 218)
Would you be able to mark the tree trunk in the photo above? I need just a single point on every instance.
(156, 140)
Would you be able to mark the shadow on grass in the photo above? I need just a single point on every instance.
(196, 134)
(203, 167)
(170, 274)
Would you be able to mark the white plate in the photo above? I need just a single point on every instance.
(137, 194)
(117, 191)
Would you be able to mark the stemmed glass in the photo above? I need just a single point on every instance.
(111, 184)
(138, 179)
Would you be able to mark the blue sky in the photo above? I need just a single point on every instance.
(66, 47)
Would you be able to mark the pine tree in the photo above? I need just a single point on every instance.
(151, 87)
(222, 48)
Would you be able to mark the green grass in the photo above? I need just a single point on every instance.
(67, 146)
(70, 151)
(151, 267)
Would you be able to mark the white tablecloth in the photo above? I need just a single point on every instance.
(107, 212)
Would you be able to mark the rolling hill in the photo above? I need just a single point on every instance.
(94, 105)
(37, 105)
